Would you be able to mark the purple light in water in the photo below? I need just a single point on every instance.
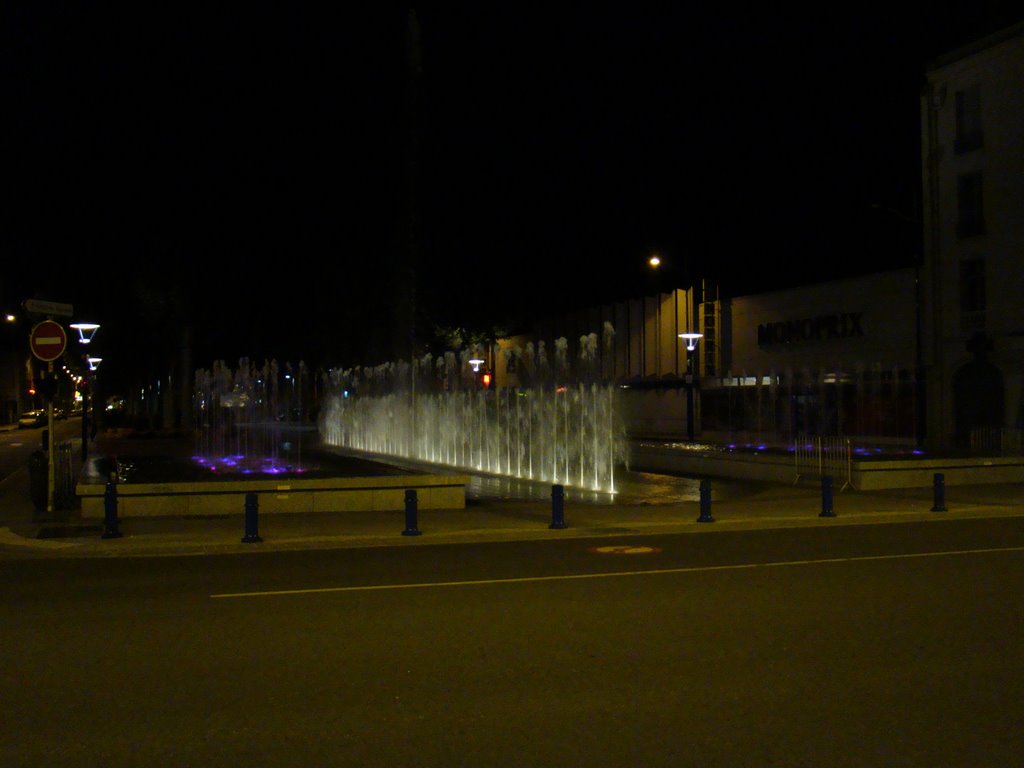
(242, 465)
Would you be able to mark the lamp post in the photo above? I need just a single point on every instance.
(691, 340)
(13, 362)
(475, 362)
(656, 277)
(94, 363)
(666, 274)
(85, 333)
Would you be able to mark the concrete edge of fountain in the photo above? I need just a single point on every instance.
(864, 474)
(354, 487)
(292, 495)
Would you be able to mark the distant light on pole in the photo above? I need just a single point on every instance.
(85, 331)
(691, 340)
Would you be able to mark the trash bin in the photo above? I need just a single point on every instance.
(39, 479)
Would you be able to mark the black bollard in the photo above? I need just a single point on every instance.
(557, 507)
(826, 497)
(252, 522)
(410, 515)
(110, 529)
(705, 502)
(940, 492)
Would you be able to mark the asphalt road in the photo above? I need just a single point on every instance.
(898, 644)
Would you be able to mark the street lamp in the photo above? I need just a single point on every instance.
(85, 333)
(691, 340)
(657, 273)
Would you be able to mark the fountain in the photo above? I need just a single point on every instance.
(251, 420)
(560, 424)
(253, 435)
(562, 428)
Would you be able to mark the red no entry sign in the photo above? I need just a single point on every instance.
(48, 340)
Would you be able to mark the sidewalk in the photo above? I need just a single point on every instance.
(24, 533)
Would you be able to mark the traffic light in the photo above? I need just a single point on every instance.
(486, 379)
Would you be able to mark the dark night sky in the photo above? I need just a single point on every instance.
(247, 168)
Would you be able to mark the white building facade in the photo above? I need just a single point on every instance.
(972, 111)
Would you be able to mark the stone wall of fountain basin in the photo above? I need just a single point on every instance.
(226, 497)
(865, 475)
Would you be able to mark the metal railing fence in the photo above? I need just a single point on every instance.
(817, 456)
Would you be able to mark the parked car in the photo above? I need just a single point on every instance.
(32, 419)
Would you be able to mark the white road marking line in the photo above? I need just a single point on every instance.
(615, 574)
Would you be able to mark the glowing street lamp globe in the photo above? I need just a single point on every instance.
(85, 331)
(691, 339)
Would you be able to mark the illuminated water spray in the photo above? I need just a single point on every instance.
(250, 420)
(562, 426)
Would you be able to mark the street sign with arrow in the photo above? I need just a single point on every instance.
(40, 307)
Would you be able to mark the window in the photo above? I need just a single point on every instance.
(972, 294)
(968, 120)
(970, 218)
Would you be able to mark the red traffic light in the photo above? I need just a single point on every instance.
(486, 379)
